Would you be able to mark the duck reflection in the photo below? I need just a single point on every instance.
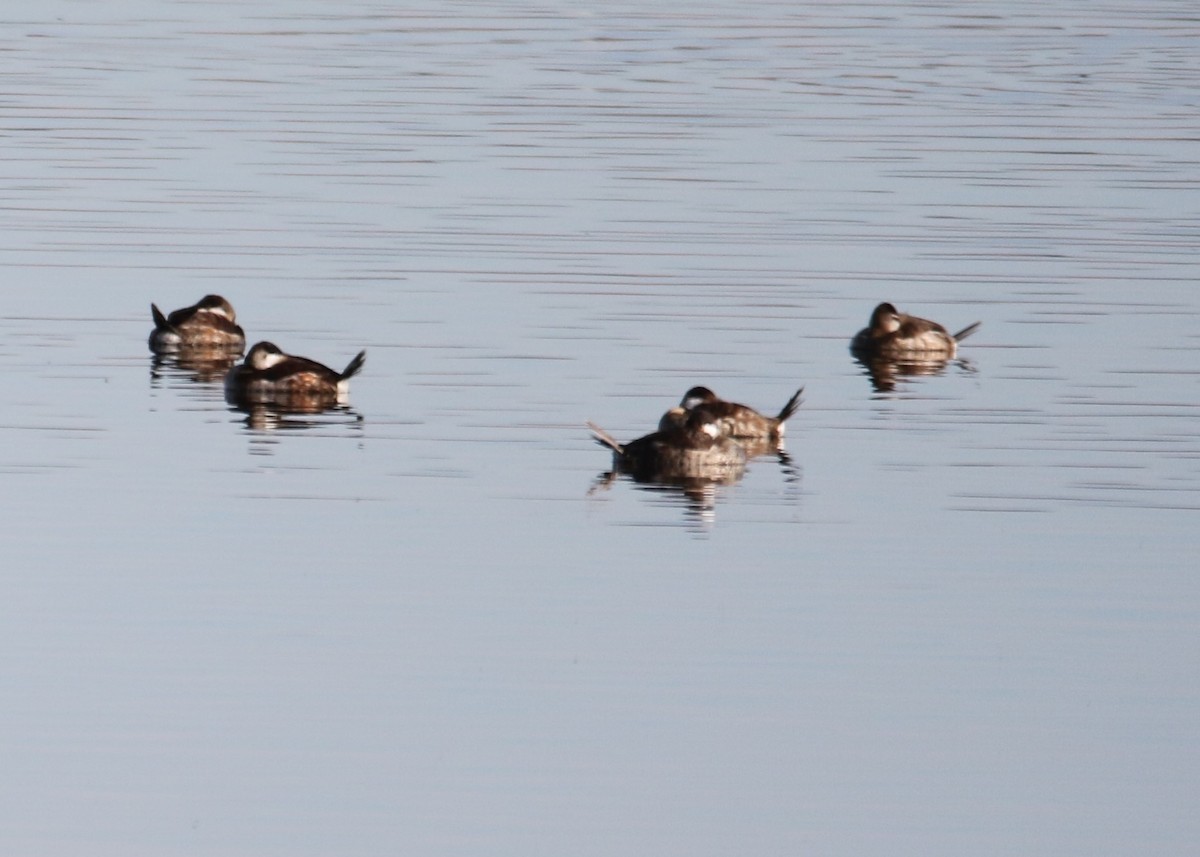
(885, 374)
(787, 466)
(697, 498)
(269, 418)
(201, 364)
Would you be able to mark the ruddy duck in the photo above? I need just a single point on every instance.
(696, 448)
(893, 335)
(737, 421)
(210, 323)
(269, 376)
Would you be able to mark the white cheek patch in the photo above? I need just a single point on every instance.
(711, 429)
(258, 359)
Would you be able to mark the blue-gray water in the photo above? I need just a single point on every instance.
(963, 620)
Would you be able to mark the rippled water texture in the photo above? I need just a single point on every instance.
(957, 616)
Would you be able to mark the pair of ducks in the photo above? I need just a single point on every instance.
(267, 375)
(707, 437)
(703, 437)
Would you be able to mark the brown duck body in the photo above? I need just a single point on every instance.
(694, 449)
(269, 376)
(740, 422)
(210, 323)
(894, 335)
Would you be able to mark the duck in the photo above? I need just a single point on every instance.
(210, 323)
(694, 448)
(268, 375)
(893, 335)
(740, 422)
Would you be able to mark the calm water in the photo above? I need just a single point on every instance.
(961, 620)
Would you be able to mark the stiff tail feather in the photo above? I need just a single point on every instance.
(793, 405)
(160, 320)
(353, 367)
(604, 438)
(967, 331)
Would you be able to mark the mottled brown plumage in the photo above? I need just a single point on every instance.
(694, 449)
(269, 376)
(210, 323)
(740, 422)
(897, 336)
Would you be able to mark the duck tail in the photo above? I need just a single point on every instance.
(967, 331)
(355, 365)
(604, 438)
(793, 405)
(160, 320)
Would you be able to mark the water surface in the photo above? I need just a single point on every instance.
(961, 618)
